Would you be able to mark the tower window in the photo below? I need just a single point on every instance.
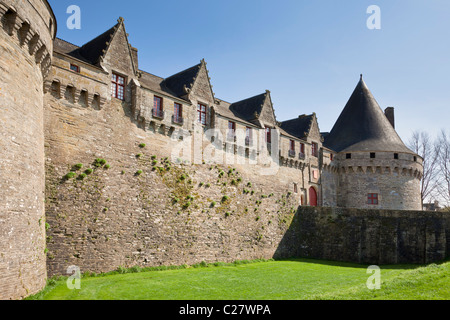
(415, 159)
(396, 156)
(295, 188)
(373, 155)
(348, 156)
(372, 199)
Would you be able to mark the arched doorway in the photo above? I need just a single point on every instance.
(312, 197)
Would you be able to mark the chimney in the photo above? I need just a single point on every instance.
(390, 115)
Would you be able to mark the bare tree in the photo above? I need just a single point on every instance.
(422, 144)
(444, 167)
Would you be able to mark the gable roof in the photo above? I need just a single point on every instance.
(248, 109)
(298, 127)
(95, 49)
(363, 126)
(181, 82)
(222, 108)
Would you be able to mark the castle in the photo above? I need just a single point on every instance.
(64, 104)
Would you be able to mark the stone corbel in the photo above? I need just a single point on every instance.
(10, 21)
(3, 10)
(76, 95)
(102, 101)
(41, 54)
(34, 44)
(15, 27)
(62, 89)
(25, 33)
(47, 85)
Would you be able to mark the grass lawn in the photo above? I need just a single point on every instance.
(272, 280)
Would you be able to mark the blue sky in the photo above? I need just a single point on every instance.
(309, 54)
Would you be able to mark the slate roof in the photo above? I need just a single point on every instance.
(247, 108)
(93, 50)
(298, 127)
(155, 83)
(179, 81)
(363, 126)
(223, 109)
(89, 52)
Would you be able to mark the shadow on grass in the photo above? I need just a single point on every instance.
(353, 265)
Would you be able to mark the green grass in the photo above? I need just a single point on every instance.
(298, 279)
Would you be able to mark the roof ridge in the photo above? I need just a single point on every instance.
(67, 42)
(149, 73)
(178, 73)
(258, 95)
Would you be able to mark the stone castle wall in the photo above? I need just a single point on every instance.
(26, 32)
(115, 217)
(145, 206)
(370, 236)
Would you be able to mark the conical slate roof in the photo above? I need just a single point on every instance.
(363, 126)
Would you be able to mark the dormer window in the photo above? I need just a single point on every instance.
(118, 87)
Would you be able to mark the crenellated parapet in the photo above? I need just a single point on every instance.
(32, 30)
(387, 163)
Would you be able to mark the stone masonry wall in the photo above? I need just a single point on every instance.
(25, 41)
(118, 216)
(371, 236)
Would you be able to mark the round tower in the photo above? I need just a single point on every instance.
(27, 31)
(375, 169)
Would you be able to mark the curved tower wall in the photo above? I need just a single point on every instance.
(395, 181)
(27, 30)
